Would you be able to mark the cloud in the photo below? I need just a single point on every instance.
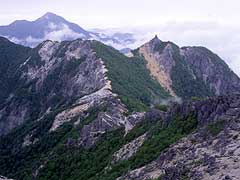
(168, 101)
(63, 33)
(54, 32)
(31, 40)
(222, 39)
(52, 26)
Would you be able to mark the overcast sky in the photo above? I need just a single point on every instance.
(112, 13)
(211, 23)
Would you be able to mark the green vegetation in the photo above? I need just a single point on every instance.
(194, 98)
(59, 151)
(11, 56)
(161, 107)
(65, 160)
(160, 46)
(130, 78)
(77, 163)
(215, 128)
(18, 162)
(140, 129)
(159, 178)
(159, 139)
(184, 84)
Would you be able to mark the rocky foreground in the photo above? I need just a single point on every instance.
(211, 152)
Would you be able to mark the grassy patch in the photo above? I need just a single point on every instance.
(159, 139)
(71, 162)
(215, 128)
(18, 162)
(162, 107)
(184, 83)
(141, 128)
(77, 163)
(130, 78)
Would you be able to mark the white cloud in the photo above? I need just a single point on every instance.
(31, 40)
(222, 39)
(52, 26)
(55, 33)
(63, 33)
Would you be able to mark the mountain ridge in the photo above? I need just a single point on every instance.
(43, 70)
(72, 110)
(188, 67)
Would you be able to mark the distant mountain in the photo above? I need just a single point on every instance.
(22, 29)
(53, 27)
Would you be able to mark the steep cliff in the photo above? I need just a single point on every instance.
(57, 75)
(210, 152)
(189, 71)
(82, 110)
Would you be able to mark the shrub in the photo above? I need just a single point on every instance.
(215, 128)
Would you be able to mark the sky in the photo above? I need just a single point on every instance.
(110, 13)
(211, 23)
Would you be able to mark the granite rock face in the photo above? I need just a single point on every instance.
(210, 109)
(4, 178)
(61, 98)
(209, 67)
(159, 64)
(68, 80)
(40, 80)
(128, 149)
(53, 74)
(203, 154)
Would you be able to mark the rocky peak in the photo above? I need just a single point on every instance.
(51, 17)
(68, 80)
(158, 56)
(155, 41)
(212, 70)
(48, 15)
(72, 100)
(188, 71)
(210, 152)
(69, 70)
